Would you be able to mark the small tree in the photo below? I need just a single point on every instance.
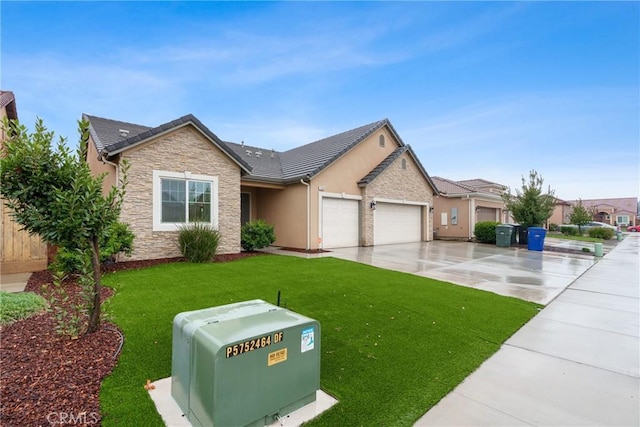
(580, 215)
(53, 193)
(530, 207)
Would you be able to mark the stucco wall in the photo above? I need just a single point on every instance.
(98, 167)
(286, 211)
(452, 231)
(286, 208)
(184, 149)
(467, 217)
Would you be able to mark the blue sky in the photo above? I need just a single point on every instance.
(478, 89)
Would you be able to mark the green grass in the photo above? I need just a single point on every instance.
(393, 344)
(18, 306)
(579, 238)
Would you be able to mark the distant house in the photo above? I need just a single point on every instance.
(462, 204)
(19, 251)
(361, 187)
(621, 211)
(561, 212)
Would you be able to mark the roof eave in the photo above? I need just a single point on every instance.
(166, 128)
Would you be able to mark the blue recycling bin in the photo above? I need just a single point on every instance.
(535, 238)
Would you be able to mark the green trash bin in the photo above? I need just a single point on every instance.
(503, 235)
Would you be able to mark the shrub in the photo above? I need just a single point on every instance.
(553, 227)
(18, 306)
(601, 233)
(198, 242)
(117, 238)
(569, 231)
(67, 261)
(256, 235)
(485, 231)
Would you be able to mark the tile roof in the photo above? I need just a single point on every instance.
(479, 183)
(312, 158)
(447, 186)
(264, 164)
(8, 101)
(109, 139)
(106, 132)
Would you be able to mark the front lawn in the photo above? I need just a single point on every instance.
(579, 238)
(393, 344)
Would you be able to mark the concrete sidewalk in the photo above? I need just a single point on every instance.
(14, 282)
(576, 363)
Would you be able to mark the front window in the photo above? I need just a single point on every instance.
(623, 219)
(182, 198)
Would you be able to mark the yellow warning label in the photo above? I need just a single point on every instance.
(277, 357)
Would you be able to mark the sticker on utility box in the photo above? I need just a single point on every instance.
(307, 340)
(277, 357)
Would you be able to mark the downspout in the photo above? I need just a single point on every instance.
(308, 221)
(470, 219)
(103, 156)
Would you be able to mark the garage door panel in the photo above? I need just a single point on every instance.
(397, 223)
(340, 223)
(485, 214)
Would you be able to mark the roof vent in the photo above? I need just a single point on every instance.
(273, 153)
(258, 153)
(242, 143)
(123, 132)
(248, 152)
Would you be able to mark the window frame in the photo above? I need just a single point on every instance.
(622, 222)
(159, 175)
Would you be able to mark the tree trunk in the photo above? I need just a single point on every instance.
(94, 320)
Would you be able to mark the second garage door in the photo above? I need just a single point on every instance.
(340, 223)
(396, 223)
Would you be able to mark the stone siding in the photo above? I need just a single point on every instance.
(184, 149)
(395, 183)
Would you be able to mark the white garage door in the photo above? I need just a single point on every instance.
(340, 225)
(394, 223)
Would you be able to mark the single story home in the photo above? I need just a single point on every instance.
(361, 187)
(621, 211)
(462, 204)
(561, 213)
(20, 252)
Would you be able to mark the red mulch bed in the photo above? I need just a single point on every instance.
(305, 251)
(50, 379)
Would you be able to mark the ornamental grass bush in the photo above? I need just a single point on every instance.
(485, 231)
(198, 242)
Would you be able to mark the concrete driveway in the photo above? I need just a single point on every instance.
(529, 275)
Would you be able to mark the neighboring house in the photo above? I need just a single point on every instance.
(19, 251)
(358, 188)
(561, 213)
(461, 204)
(618, 211)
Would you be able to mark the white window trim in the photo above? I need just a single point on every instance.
(158, 175)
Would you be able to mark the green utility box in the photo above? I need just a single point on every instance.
(244, 364)
(503, 235)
